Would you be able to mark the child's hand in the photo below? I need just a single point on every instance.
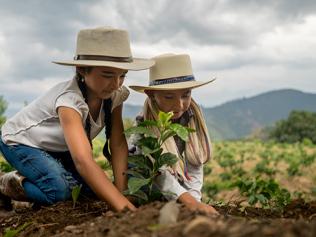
(207, 209)
(189, 201)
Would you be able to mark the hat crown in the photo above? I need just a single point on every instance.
(103, 41)
(169, 66)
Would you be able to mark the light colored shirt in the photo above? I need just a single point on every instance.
(173, 189)
(37, 125)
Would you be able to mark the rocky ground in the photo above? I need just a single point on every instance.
(93, 218)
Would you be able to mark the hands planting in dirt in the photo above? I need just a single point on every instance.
(190, 202)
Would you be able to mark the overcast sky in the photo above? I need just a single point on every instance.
(251, 46)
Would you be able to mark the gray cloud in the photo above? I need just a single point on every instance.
(224, 37)
(237, 23)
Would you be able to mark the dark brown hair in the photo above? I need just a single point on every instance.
(107, 106)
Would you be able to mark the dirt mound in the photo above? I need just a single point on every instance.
(93, 218)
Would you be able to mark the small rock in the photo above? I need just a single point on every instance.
(169, 213)
(20, 205)
(108, 214)
(71, 228)
(200, 227)
(135, 235)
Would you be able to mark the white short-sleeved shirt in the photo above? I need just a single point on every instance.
(37, 125)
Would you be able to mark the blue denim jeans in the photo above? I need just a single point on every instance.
(50, 177)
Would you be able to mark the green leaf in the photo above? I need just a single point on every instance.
(166, 134)
(146, 151)
(134, 184)
(157, 154)
(190, 129)
(13, 232)
(164, 118)
(150, 142)
(148, 123)
(262, 199)
(141, 195)
(252, 200)
(166, 159)
(139, 130)
(140, 161)
(181, 131)
(75, 194)
(5, 167)
(134, 174)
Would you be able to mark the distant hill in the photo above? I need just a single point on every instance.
(239, 118)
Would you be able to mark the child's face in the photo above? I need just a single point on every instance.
(177, 101)
(103, 81)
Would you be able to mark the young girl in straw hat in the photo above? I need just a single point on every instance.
(169, 89)
(49, 141)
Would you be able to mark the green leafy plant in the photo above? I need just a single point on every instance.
(268, 193)
(5, 167)
(145, 166)
(298, 126)
(75, 192)
(13, 232)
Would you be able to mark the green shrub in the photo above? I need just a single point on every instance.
(145, 166)
(298, 126)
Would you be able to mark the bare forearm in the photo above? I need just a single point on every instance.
(81, 153)
(102, 185)
(119, 165)
(119, 149)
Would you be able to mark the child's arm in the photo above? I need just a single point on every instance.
(119, 150)
(81, 153)
(167, 183)
(189, 201)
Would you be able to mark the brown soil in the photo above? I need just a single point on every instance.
(93, 218)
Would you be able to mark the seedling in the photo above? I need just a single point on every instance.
(13, 232)
(145, 166)
(75, 194)
(267, 193)
(5, 167)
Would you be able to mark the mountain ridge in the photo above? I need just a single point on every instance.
(238, 118)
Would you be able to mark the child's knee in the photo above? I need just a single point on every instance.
(56, 188)
(63, 190)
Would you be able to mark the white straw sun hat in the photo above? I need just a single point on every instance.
(105, 46)
(171, 72)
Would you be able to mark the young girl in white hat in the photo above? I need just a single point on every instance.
(170, 84)
(49, 141)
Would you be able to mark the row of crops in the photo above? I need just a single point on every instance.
(268, 174)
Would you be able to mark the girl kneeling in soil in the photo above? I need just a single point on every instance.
(169, 89)
(49, 141)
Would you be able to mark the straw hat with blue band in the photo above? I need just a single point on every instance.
(171, 72)
(106, 46)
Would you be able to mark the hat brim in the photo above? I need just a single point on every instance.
(171, 86)
(135, 65)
